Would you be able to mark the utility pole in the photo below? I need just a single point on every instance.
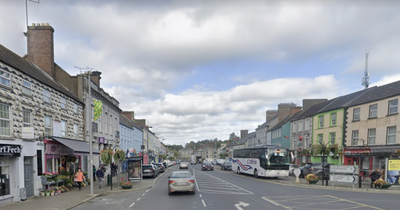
(88, 104)
(365, 79)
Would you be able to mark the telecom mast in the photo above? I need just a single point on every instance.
(365, 79)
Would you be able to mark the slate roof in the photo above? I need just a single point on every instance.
(246, 138)
(125, 121)
(264, 125)
(311, 111)
(284, 121)
(20, 64)
(378, 93)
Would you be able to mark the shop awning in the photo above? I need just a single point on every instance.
(76, 145)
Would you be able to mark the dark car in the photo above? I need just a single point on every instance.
(149, 170)
(316, 168)
(226, 166)
(206, 165)
(160, 166)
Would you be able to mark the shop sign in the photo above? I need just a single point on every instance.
(54, 149)
(10, 150)
(358, 152)
(102, 140)
(385, 150)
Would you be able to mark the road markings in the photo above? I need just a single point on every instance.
(138, 199)
(131, 205)
(350, 201)
(204, 203)
(241, 204)
(275, 203)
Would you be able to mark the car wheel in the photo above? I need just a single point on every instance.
(238, 170)
(194, 192)
(255, 173)
(169, 193)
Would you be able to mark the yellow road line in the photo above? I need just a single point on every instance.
(276, 203)
(350, 201)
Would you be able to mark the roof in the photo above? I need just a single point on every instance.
(125, 121)
(17, 62)
(311, 111)
(266, 124)
(247, 137)
(284, 121)
(378, 93)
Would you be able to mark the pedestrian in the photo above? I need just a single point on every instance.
(100, 176)
(94, 173)
(374, 176)
(79, 178)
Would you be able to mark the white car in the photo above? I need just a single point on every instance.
(183, 165)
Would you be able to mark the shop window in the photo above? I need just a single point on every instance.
(52, 163)
(5, 176)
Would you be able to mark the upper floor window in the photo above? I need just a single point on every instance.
(63, 128)
(356, 114)
(301, 125)
(26, 115)
(391, 135)
(333, 119)
(371, 136)
(76, 108)
(48, 126)
(47, 96)
(393, 104)
(321, 121)
(76, 132)
(373, 111)
(354, 138)
(5, 119)
(26, 87)
(332, 138)
(320, 138)
(294, 127)
(5, 78)
(63, 103)
(307, 126)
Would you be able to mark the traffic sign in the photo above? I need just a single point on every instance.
(343, 169)
(343, 178)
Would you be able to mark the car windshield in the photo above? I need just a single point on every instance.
(227, 163)
(147, 167)
(206, 163)
(181, 175)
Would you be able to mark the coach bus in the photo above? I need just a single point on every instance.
(265, 161)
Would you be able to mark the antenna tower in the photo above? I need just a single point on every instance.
(365, 79)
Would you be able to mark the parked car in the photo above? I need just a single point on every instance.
(206, 165)
(181, 181)
(302, 169)
(183, 165)
(226, 166)
(149, 170)
(291, 168)
(160, 166)
(220, 161)
(316, 168)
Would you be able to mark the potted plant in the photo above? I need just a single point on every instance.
(382, 184)
(126, 184)
(48, 192)
(312, 178)
(42, 193)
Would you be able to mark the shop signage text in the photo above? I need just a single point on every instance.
(54, 149)
(7, 150)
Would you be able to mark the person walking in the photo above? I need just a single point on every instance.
(79, 178)
(100, 176)
(94, 173)
(374, 176)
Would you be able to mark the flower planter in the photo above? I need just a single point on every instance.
(126, 187)
(48, 194)
(312, 181)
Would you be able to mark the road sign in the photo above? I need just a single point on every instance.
(343, 169)
(343, 178)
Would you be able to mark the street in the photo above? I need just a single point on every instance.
(225, 190)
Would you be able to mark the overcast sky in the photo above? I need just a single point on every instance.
(203, 69)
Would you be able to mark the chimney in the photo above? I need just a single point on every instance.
(294, 110)
(284, 110)
(243, 133)
(95, 77)
(130, 115)
(270, 114)
(40, 38)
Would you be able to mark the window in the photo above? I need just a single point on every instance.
(5, 174)
(393, 104)
(76, 132)
(76, 108)
(100, 125)
(301, 125)
(47, 96)
(26, 115)
(391, 135)
(371, 136)
(333, 119)
(63, 128)
(294, 127)
(5, 78)
(47, 126)
(5, 119)
(332, 138)
(320, 138)
(26, 87)
(354, 138)
(373, 110)
(321, 121)
(356, 114)
(105, 125)
(63, 103)
(307, 127)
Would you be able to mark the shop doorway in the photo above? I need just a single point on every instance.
(28, 174)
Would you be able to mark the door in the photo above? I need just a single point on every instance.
(28, 174)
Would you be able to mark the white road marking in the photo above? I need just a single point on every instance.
(131, 205)
(138, 199)
(271, 201)
(200, 196)
(143, 194)
(204, 203)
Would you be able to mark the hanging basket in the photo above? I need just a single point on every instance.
(106, 156)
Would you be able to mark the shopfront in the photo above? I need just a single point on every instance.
(134, 168)
(9, 155)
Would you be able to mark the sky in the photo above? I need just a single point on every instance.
(200, 70)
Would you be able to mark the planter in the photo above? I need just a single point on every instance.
(48, 194)
(385, 186)
(126, 187)
(312, 181)
(42, 194)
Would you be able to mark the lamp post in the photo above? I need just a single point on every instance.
(111, 163)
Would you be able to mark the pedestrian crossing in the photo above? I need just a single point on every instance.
(208, 183)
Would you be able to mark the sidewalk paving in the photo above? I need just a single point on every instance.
(74, 197)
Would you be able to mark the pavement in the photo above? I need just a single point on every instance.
(75, 197)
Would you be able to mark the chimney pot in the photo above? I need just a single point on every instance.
(33, 24)
(47, 24)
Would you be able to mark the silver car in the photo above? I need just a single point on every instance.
(181, 181)
(184, 165)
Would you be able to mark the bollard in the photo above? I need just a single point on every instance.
(359, 182)
(108, 180)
